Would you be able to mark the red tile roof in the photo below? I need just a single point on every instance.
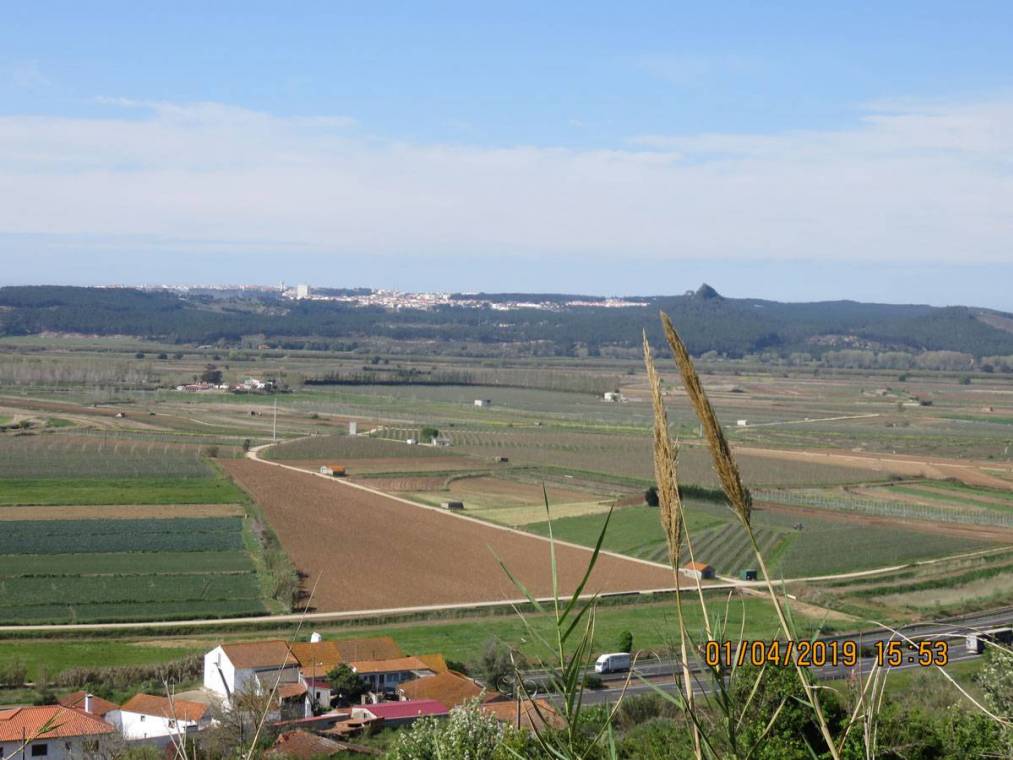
(411, 709)
(436, 662)
(26, 723)
(163, 707)
(449, 687)
(375, 648)
(290, 690)
(98, 705)
(260, 654)
(398, 665)
(304, 745)
(318, 657)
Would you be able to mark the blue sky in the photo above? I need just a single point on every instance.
(788, 150)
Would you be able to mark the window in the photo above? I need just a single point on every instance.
(40, 750)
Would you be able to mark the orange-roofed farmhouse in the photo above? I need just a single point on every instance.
(53, 732)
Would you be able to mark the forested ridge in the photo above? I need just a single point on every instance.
(708, 321)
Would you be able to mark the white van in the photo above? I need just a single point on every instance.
(618, 662)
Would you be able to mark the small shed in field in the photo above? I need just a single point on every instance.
(612, 396)
(742, 423)
(748, 575)
(483, 402)
(453, 506)
(698, 570)
(334, 470)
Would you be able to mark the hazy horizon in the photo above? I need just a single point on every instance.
(984, 286)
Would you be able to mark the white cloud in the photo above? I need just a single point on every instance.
(909, 183)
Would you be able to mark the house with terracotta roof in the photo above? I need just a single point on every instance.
(318, 658)
(449, 687)
(158, 719)
(53, 732)
(260, 666)
(82, 700)
(381, 675)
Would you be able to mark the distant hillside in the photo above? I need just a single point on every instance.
(708, 321)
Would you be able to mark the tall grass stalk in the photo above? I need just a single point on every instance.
(741, 504)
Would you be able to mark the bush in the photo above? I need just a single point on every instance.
(13, 674)
(625, 642)
(651, 496)
(467, 733)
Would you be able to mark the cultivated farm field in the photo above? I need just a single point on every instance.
(822, 546)
(342, 537)
(109, 569)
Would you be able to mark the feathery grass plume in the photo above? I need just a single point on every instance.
(741, 503)
(670, 512)
(728, 472)
(665, 464)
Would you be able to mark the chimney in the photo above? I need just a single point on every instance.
(87, 702)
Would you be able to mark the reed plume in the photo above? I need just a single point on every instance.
(666, 454)
(728, 473)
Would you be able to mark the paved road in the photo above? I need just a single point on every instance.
(664, 672)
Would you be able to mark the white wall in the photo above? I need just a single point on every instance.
(219, 674)
(72, 748)
(136, 726)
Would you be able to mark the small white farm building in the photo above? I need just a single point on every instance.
(160, 719)
(698, 570)
(612, 396)
(483, 402)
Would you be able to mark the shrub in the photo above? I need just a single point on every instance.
(651, 496)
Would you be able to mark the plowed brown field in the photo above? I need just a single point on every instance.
(368, 551)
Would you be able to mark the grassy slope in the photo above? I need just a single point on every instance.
(55, 656)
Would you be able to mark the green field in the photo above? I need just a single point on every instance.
(166, 490)
(77, 457)
(107, 570)
(129, 563)
(52, 657)
(87, 536)
(632, 530)
(821, 547)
